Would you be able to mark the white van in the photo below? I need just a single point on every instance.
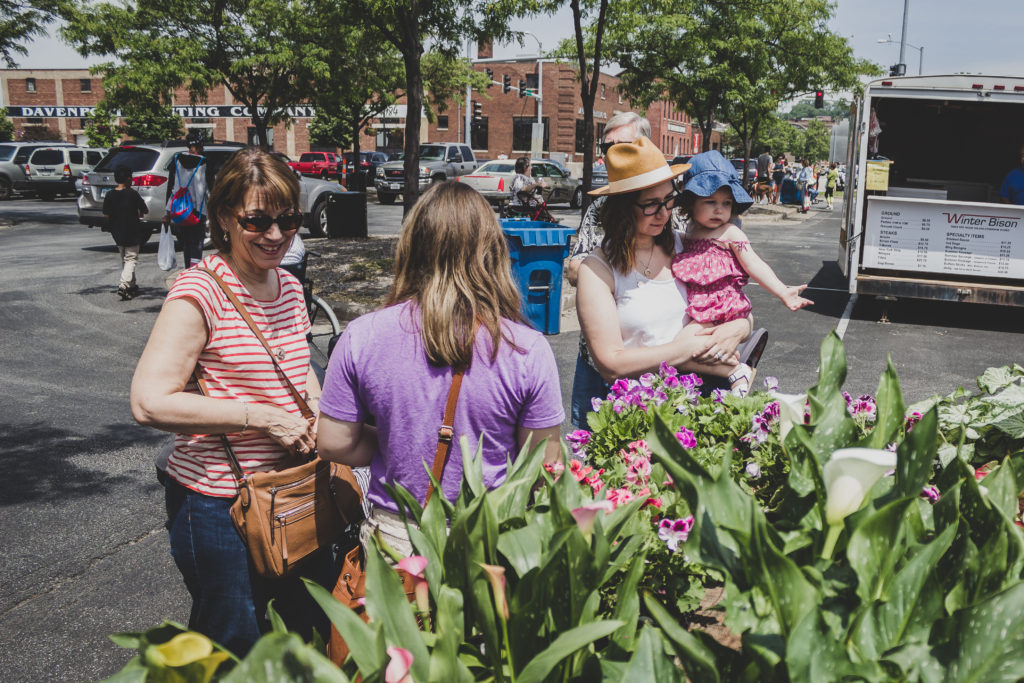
(922, 212)
(53, 170)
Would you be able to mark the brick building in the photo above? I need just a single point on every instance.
(55, 103)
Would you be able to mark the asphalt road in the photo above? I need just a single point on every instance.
(83, 552)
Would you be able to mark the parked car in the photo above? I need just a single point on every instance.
(151, 165)
(494, 181)
(52, 171)
(13, 159)
(320, 164)
(751, 169)
(680, 159)
(368, 163)
(439, 161)
(599, 177)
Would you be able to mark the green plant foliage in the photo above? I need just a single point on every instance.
(6, 126)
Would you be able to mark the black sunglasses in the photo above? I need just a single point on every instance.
(605, 146)
(651, 208)
(287, 221)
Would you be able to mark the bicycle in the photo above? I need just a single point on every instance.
(324, 324)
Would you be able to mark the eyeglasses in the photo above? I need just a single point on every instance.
(288, 221)
(651, 208)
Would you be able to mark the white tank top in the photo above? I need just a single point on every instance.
(651, 312)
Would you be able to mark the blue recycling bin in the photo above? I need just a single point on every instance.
(538, 250)
(790, 192)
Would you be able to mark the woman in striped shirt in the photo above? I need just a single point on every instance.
(252, 219)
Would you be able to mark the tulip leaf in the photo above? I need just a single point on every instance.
(390, 606)
(876, 544)
(627, 606)
(1002, 489)
(889, 410)
(791, 593)
(284, 657)
(914, 456)
(988, 639)
(698, 661)
(444, 658)
(565, 645)
(649, 662)
(133, 672)
(276, 622)
(364, 641)
(521, 547)
(472, 469)
(814, 652)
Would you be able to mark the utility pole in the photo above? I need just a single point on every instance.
(903, 40)
(469, 95)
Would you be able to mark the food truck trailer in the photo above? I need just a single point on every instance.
(922, 216)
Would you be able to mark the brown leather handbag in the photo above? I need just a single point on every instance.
(285, 516)
(350, 590)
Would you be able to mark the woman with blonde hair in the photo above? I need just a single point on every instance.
(453, 307)
(253, 217)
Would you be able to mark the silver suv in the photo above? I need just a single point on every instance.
(13, 159)
(53, 170)
(151, 165)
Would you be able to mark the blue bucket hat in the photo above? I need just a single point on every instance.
(709, 172)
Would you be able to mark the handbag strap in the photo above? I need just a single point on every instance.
(236, 467)
(299, 400)
(445, 433)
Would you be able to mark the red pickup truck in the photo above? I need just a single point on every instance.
(320, 164)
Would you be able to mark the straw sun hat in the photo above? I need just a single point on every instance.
(636, 166)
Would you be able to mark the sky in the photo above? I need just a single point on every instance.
(978, 37)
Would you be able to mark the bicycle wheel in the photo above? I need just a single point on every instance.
(324, 325)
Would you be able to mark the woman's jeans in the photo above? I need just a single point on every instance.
(586, 384)
(229, 599)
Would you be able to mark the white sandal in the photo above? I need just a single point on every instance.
(743, 372)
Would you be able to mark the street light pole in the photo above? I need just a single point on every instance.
(540, 75)
(920, 50)
(903, 36)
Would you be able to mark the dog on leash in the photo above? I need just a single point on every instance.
(761, 191)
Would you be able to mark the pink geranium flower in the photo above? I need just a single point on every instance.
(686, 438)
(675, 531)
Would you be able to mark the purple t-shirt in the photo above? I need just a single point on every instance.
(380, 368)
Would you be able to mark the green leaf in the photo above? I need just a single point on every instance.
(995, 379)
(627, 606)
(277, 624)
(649, 662)
(914, 456)
(128, 640)
(698, 661)
(133, 672)
(1011, 424)
(1002, 489)
(876, 544)
(472, 471)
(989, 640)
(444, 658)
(814, 652)
(388, 604)
(791, 593)
(565, 645)
(280, 657)
(890, 410)
(365, 642)
(522, 548)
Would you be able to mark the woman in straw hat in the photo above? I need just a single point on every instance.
(631, 309)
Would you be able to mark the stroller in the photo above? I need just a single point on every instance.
(532, 206)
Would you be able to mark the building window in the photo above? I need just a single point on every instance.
(478, 134)
(30, 85)
(85, 84)
(531, 81)
(442, 122)
(34, 121)
(522, 133)
(82, 123)
(602, 92)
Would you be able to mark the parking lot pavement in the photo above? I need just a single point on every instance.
(81, 537)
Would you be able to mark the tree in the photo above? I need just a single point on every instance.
(20, 21)
(6, 127)
(804, 109)
(407, 26)
(102, 128)
(256, 48)
(813, 141)
(732, 59)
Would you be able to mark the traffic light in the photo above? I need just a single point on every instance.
(478, 113)
(506, 83)
(819, 99)
(490, 77)
(522, 87)
(897, 69)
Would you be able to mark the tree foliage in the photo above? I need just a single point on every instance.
(731, 60)
(256, 48)
(804, 109)
(6, 127)
(21, 20)
(407, 27)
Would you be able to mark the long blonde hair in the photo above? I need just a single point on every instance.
(452, 260)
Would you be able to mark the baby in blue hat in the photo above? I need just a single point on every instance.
(717, 261)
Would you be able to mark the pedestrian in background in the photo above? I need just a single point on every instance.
(831, 180)
(191, 172)
(778, 175)
(804, 179)
(123, 207)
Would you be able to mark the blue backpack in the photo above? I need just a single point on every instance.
(183, 210)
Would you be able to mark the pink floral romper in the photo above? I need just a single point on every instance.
(714, 280)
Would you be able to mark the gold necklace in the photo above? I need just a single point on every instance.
(647, 266)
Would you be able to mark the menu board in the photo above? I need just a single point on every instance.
(958, 238)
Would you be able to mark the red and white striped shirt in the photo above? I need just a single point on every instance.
(237, 367)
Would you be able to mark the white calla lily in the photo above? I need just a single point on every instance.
(849, 476)
(791, 411)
